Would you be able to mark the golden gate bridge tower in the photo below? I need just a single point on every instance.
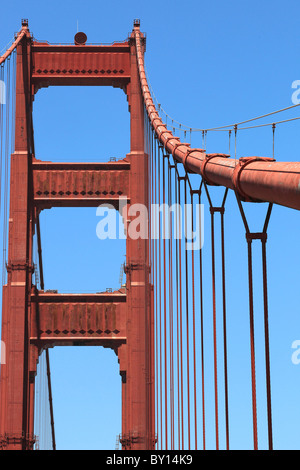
(150, 321)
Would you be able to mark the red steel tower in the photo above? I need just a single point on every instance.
(33, 320)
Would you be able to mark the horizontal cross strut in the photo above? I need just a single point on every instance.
(85, 319)
(81, 65)
(79, 184)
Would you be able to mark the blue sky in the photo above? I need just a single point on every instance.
(209, 64)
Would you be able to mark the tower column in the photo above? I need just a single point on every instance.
(15, 385)
(138, 430)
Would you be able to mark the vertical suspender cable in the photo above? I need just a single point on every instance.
(171, 306)
(160, 306)
(273, 130)
(251, 319)
(39, 248)
(224, 320)
(202, 332)
(50, 400)
(214, 327)
(6, 170)
(252, 344)
(181, 319)
(155, 286)
(187, 315)
(266, 327)
(148, 316)
(1, 137)
(194, 325)
(222, 211)
(235, 132)
(177, 231)
(156, 296)
(165, 306)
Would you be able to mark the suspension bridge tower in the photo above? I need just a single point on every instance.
(34, 320)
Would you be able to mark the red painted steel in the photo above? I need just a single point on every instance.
(17, 388)
(80, 184)
(33, 320)
(260, 180)
(137, 431)
(81, 65)
(66, 319)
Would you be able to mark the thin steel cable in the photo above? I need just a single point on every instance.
(263, 237)
(251, 321)
(273, 132)
(215, 330)
(202, 329)
(235, 133)
(49, 390)
(160, 306)
(252, 346)
(212, 212)
(267, 345)
(9, 51)
(156, 292)
(224, 127)
(250, 127)
(165, 307)
(1, 147)
(148, 316)
(6, 170)
(155, 287)
(224, 320)
(266, 326)
(187, 320)
(253, 119)
(181, 321)
(177, 307)
(171, 305)
(7, 46)
(269, 123)
(194, 328)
